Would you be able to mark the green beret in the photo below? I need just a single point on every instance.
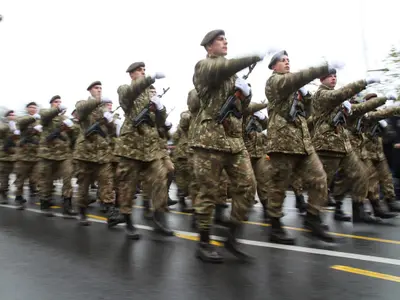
(209, 38)
(331, 71)
(31, 103)
(54, 98)
(276, 58)
(93, 84)
(135, 66)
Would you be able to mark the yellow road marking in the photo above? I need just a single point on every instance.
(196, 238)
(366, 273)
(351, 236)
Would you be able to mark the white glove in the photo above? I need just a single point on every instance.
(38, 128)
(335, 64)
(17, 132)
(157, 102)
(36, 116)
(347, 105)
(168, 123)
(259, 115)
(242, 85)
(158, 75)
(383, 123)
(303, 91)
(372, 79)
(118, 122)
(12, 125)
(68, 123)
(62, 108)
(106, 100)
(108, 116)
(391, 96)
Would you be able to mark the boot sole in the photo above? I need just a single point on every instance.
(212, 261)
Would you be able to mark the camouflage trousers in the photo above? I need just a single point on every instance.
(154, 180)
(208, 166)
(379, 177)
(259, 166)
(297, 185)
(353, 176)
(87, 172)
(193, 186)
(147, 185)
(50, 169)
(182, 176)
(6, 168)
(279, 174)
(23, 171)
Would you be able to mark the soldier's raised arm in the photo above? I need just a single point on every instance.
(253, 107)
(85, 107)
(24, 121)
(383, 113)
(373, 102)
(46, 115)
(333, 98)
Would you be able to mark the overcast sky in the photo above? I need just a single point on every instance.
(60, 47)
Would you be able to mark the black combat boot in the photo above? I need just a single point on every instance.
(318, 229)
(20, 202)
(33, 191)
(183, 205)
(171, 202)
(361, 216)
(219, 215)
(339, 213)
(232, 245)
(193, 223)
(379, 212)
(147, 214)
(131, 231)
(301, 205)
(67, 210)
(114, 217)
(205, 251)
(159, 220)
(393, 205)
(278, 234)
(45, 207)
(83, 221)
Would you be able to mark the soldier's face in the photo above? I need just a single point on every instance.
(56, 103)
(96, 91)
(219, 46)
(139, 72)
(153, 93)
(109, 106)
(11, 117)
(32, 109)
(282, 65)
(330, 81)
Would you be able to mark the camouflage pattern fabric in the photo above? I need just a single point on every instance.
(86, 171)
(29, 141)
(297, 185)
(182, 176)
(23, 171)
(155, 175)
(284, 135)
(6, 168)
(259, 166)
(193, 185)
(5, 135)
(279, 173)
(50, 169)
(208, 166)
(354, 175)
(379, 175)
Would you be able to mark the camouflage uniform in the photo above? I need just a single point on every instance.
(7, 160)
(218, 147)
(93, 155)
(254, 140)
(376, 162)
(290, 149)
(54, 155)
(139, 150)
(332, 143)
(27, 159)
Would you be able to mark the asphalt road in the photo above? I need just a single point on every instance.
(53, 258)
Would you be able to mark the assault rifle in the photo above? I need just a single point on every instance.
(229, 106)
(295, 110)
(9, 143)
(95, 128)
(144, 115)
(252, 126)
(56, 134)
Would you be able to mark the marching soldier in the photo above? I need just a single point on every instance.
(219, 146)
(93, 154)
(27, 159)
(289, 147)
(139, 148)
(9, 134)
(55, 153)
